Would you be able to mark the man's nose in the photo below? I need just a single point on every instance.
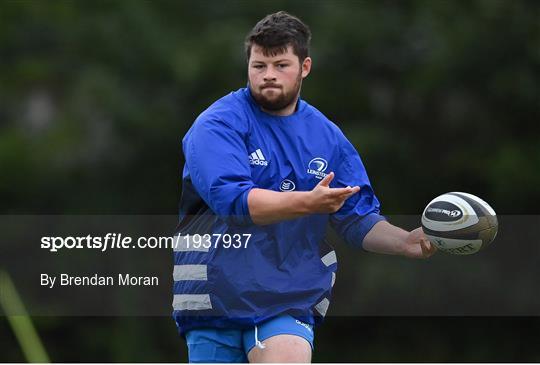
(269, 74)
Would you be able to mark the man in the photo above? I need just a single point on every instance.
(265, 172)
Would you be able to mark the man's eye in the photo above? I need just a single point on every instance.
(258, 67)
(282, 65)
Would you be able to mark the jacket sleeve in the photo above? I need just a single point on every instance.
(217, 159)
(361, 211)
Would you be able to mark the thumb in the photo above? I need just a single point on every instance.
(327, 179)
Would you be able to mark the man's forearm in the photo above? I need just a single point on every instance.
(268, 206)
(385, 238)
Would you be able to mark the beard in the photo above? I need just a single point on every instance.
(276, 100)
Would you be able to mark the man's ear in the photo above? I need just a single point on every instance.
(306, 67)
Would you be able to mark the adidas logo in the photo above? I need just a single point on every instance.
(257, 158)
(307, 326)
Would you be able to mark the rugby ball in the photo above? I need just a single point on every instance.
(459, 223)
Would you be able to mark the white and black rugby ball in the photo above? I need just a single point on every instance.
(459, 223)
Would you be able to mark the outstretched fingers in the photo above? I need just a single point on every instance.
(348, 191)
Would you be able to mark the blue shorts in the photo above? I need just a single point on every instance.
(211, 345)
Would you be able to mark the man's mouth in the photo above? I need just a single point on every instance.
(270, 87)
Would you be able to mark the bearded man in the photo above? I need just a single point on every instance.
(264, 174)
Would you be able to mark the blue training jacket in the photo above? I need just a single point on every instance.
(230, 281)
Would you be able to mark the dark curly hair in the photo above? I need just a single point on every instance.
(277, 31)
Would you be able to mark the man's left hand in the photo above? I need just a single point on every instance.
(418, 246)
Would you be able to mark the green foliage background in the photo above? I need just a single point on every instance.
(95, 96)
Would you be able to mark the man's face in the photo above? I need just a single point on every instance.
(275, 81)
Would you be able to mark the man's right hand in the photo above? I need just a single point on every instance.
(324, 199)
(268, 206)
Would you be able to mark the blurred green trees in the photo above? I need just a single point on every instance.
(436, 96)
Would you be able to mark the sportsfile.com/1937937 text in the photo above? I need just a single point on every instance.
(121, 241)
